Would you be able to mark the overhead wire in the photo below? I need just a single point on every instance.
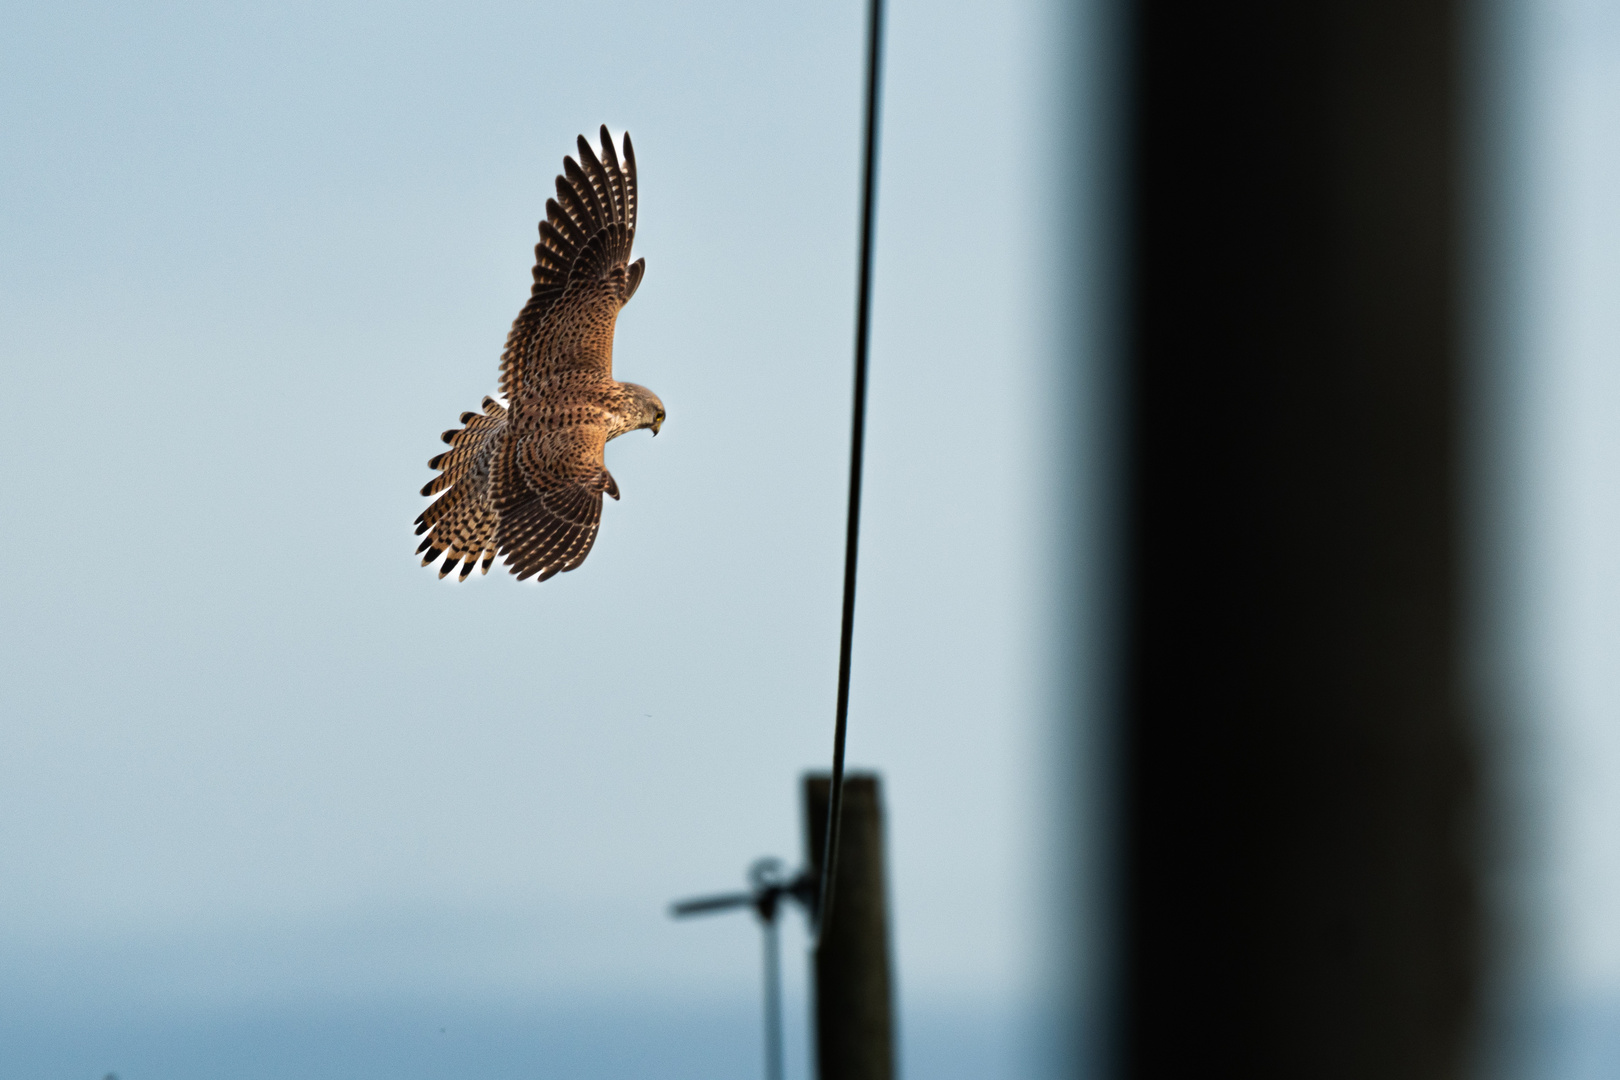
(852, 537)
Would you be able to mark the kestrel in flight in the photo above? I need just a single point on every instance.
(525, 481)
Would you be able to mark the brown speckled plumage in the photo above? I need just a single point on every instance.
(525, 481)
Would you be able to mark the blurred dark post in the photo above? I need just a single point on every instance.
(854, 1005)
(1300, 856)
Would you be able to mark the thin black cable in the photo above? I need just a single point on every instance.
(852, 541)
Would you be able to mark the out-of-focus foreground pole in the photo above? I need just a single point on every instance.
(854, 1004)
(1299, 861)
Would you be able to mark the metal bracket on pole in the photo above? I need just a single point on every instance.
(768, 887)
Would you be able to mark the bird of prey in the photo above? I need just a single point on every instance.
(524, 481)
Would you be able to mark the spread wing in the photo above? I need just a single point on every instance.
(548, 477)
(547, 489)
(582, 274)
(548, 529)
(463, 520)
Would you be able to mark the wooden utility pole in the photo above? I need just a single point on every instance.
(1301, 843)
(854, 1002)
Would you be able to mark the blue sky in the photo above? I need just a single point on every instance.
(256, 761)
(255, 261)
(1570, 510)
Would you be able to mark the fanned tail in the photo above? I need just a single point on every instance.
(462, 523)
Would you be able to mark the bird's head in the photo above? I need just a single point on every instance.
(645, 408)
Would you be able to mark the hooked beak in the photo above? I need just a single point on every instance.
(656, 424)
